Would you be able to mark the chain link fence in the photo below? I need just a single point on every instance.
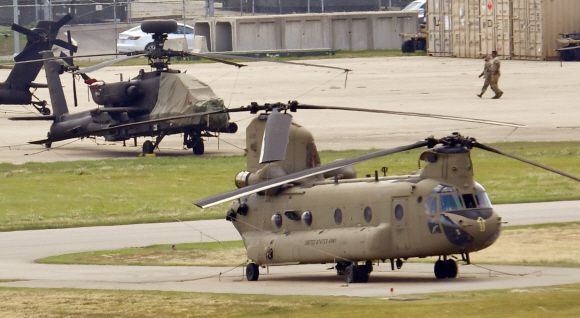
(28, 12)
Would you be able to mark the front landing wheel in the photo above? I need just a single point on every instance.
(252, 272)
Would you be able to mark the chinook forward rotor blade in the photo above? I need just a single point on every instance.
(226, 56)
(276, 136)
(224, 197)
(539, 165)
(367, 110)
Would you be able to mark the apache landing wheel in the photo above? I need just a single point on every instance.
(408, 46)
(148, 147)
(198, 148)
(350, 274)
(252, 272)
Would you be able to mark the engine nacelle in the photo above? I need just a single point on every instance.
(271, 171)
(116, 94)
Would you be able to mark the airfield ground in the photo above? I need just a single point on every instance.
(541, 95)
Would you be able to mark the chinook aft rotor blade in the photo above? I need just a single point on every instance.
(276, 136)
(262, 186)
(367, 110)
(484, 147)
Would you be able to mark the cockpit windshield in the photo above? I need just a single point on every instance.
(445, 198)
(481, 196)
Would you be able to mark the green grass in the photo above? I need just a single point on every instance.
(7, 43)
(187, 254)
(88, 193)
(556, 301)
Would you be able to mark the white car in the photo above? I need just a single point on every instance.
(417, 5)
(136, 40)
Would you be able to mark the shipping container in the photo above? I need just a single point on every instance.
(516, 29)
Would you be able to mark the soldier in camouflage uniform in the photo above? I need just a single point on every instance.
(487, 75)
(495, 74)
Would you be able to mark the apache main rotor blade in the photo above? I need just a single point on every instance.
(23, 30)
(110, 62)
(125, 126)
(484, 147)
(276, 136)
(65, 45)
(366, 110)
(224, 197)
(204, 56)
(225, 56)
(60, 23)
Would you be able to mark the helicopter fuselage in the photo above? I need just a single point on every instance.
(442, 211)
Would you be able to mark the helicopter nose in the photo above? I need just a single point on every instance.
(472, 230)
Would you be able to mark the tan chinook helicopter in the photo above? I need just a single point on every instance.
(291, 210)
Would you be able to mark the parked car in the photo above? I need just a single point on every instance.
(417, 5)
(136, 40)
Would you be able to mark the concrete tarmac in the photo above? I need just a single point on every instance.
(21, 248)
(541, 95)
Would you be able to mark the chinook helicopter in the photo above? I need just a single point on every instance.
(16, 89)
(290, 209)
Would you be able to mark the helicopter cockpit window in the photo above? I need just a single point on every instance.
(337, 216)
(450, 202)
(307, 218)
(443, 189)
(469, 201)
(481, 196)
(431, 205)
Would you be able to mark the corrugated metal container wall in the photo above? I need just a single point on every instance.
(558, 16)
(466, 28)
(519, 29)
(439, 27)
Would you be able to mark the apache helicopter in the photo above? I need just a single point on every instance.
(153, 104)
(16, 89)
(291, 210)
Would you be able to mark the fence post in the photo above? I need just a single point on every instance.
(16, 34)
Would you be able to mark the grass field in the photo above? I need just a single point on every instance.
(556, 301)
(87, 193)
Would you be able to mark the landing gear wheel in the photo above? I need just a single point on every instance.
(450, 269)
(252, 272)
(45, 111)
(48, 145)
(440, 269)
(568, 55)
(149, 47)
(148, 147)
(350, 274)
(198, 148)
(408, 46)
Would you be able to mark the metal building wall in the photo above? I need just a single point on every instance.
(558, 16)
(338, 31)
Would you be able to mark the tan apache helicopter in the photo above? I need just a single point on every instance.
(291, 210)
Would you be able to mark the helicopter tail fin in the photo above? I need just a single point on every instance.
(53, 69)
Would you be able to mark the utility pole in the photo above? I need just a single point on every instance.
(16, 34)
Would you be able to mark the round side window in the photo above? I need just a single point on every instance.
(277, 220)
(399, 212)
(307, 218)
(337, 216)
(368, 214)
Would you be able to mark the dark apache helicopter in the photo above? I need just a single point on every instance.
(290, 209)
(158, 103)
(16, 89)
